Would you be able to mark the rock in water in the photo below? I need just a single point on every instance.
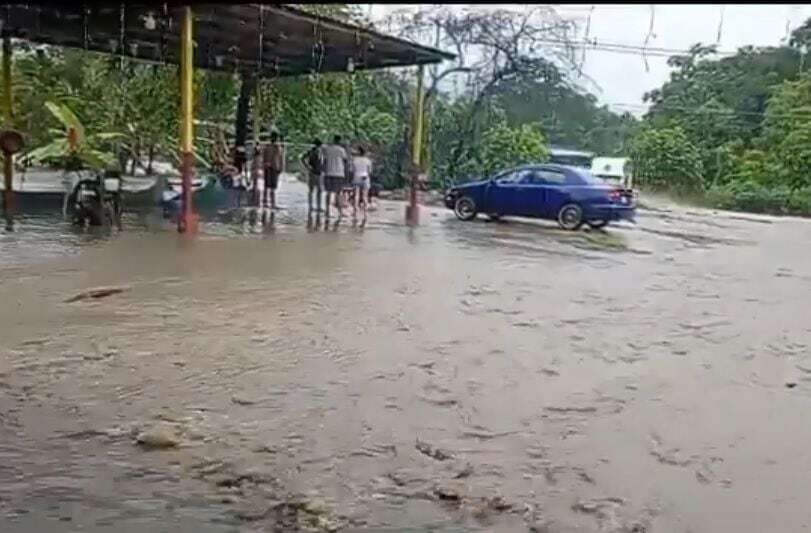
(158, 438)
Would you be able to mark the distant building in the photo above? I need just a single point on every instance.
(611, 168)
(575, 158)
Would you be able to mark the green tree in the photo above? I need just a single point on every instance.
(73, 148)
(665, 158)
(569, 117)
(717, 101)
(504, 146)
(787, 133)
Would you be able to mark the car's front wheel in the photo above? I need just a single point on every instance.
(570, 217)
(465, 208)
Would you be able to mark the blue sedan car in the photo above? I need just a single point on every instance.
(570, 195)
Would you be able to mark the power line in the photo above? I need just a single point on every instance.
(608, 46)
(700, 111)
(567, 8)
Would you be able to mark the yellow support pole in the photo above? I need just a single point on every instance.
(187, 222)
(7, 99)
(8, 157)
(412, 210)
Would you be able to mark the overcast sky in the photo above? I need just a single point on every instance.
(623, 77)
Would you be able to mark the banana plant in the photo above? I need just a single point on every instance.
(73, 147)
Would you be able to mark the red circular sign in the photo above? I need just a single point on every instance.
(11, 141)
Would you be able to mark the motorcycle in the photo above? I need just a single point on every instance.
(96, 202)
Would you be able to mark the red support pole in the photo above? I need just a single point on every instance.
(187, 222)
(8, 192)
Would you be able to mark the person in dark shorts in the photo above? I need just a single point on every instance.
(273, 158)
(335, 160)
(313, 161)
(239, 158)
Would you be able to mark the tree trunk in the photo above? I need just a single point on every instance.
(243, 110)
(122, 161)
(136, 158)
(150, 159)
(468, 134)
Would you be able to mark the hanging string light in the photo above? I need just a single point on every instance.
(121, 31)
(317, 60)
(350, 67)
(233, 51)
(257, 122)
(85, 26)
(166, 20)
(261, 36)
(122, 112)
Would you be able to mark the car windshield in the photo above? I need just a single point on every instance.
(588, 177)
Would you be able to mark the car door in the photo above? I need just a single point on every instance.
(530, 194)
(503, 194)
(553, 191)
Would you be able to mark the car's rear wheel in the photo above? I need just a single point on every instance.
(465, 208)
(597, 224)
(570, 217)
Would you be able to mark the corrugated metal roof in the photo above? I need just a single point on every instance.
(227, 36)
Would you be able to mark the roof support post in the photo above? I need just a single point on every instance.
(187, 222)
(412, 210)
(8, 157)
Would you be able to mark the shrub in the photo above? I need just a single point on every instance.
(756, 198)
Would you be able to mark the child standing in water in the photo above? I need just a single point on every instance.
(361, 181)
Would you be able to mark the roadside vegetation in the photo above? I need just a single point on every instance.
(734, 132)
(508, 96)
(731, 132)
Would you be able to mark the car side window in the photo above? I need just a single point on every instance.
(552, 177)
(532, 177)
(510, 177)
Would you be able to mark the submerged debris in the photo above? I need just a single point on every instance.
(434, 453)
(242, 401)
(296, 513)
(447, 494)
(97, 293)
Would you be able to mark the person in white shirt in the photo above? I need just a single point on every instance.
(335, 161)
(361, 181)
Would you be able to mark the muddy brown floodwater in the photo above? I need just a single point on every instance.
(462, 376)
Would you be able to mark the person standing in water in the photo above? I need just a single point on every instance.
(361, 181)
(335, 160)
(313, 161)
(254, 167)
(273, 158)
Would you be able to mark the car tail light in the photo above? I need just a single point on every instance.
(615, 194)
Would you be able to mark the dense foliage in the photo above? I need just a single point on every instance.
(740, 125)
(503, 146)
(569, 116)
(665, 158)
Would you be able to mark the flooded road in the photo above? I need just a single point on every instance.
(461, 376)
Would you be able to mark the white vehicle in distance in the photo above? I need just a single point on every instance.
(613, 170)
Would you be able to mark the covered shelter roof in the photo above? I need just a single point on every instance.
(271, 40)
